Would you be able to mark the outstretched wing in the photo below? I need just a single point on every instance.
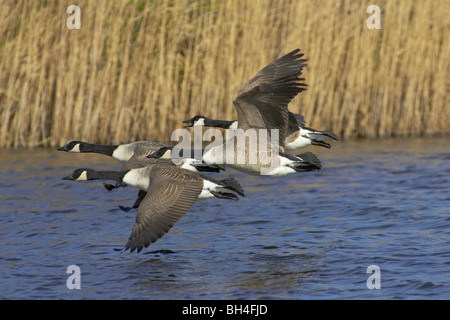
(262, 103)
(168, 198)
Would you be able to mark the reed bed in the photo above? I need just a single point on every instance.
(136, 68)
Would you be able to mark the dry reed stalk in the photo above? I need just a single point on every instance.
(136, 69)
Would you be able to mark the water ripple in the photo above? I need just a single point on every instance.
(305, 236)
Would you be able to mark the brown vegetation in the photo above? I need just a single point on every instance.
(136, 69)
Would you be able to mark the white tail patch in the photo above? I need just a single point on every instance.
(207, 187)
(187, 164)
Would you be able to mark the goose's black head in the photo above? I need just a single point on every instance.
(81, 174)
(72, 146)
(207, 122)
(196, 121)
(161, 153)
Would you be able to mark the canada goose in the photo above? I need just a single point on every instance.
(302, 162)
(170, 193)
(135, 151)
(262, 103)
(297, 136)
(121, 152)
(139, 160)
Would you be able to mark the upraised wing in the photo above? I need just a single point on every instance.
(262, 103)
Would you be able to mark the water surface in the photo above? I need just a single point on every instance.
(303, 236)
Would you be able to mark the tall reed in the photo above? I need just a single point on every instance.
(137, 68)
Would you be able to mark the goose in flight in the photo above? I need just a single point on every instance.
(133, 155)
(170, 192)
(263, 115)
(297, 136)
(121, 152)
(311, 162)
(134, 151)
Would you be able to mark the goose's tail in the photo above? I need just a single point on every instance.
(209, 167)
(233, 185)
(307, 161)
(227, 189)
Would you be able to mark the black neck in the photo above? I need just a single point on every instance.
(218, 123)
(107, 175)
(97, 148)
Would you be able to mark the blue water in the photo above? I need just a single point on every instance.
(303, 236)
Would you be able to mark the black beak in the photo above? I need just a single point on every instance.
(190, 122)
(69, 177)
(62, 148)
(320, 143)
(156, 155)
(153, 156)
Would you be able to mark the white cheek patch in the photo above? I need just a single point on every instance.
(82, 177)
(76, 148)
(167, 155)
(200, 122)
(233, 126)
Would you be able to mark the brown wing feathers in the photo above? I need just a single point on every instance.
(263, 101)
(168, 199)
